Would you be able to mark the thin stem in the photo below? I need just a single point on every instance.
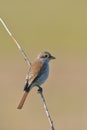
(15, 41)
(29, 63)
(46, 110)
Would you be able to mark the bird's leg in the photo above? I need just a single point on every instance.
(40, 90)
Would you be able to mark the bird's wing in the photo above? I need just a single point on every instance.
(34, 71)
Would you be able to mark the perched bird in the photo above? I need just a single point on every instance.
(38, 73)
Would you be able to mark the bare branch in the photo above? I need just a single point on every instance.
(27, 77)
(15, 41)
(46, 110)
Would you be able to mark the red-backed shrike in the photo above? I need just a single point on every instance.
(38, 73)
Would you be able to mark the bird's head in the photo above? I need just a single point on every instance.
(45, 56)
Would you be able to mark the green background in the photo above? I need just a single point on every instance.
(59, 27)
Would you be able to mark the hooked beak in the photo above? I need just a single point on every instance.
(52, 57)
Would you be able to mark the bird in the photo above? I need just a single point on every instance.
(38, 73)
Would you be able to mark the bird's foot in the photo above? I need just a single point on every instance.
(40, 90)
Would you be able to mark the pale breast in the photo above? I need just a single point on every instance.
(43, 75)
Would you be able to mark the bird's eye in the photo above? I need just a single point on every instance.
(45, 56)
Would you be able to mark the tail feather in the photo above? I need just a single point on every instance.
(22, 100)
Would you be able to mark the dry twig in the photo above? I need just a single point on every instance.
(15, 41)
(46, 110)
(29, 63)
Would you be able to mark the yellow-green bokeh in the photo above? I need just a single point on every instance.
(61, 28)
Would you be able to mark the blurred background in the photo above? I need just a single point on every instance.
(59, 27)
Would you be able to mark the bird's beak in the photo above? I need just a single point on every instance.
(52, 57)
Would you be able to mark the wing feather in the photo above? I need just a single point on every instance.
(34, 71)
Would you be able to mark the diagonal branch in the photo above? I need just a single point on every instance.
(46, 110)
(29, 63)
(15, 41)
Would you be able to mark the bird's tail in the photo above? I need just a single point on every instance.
(22, 100)
(26, 89)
